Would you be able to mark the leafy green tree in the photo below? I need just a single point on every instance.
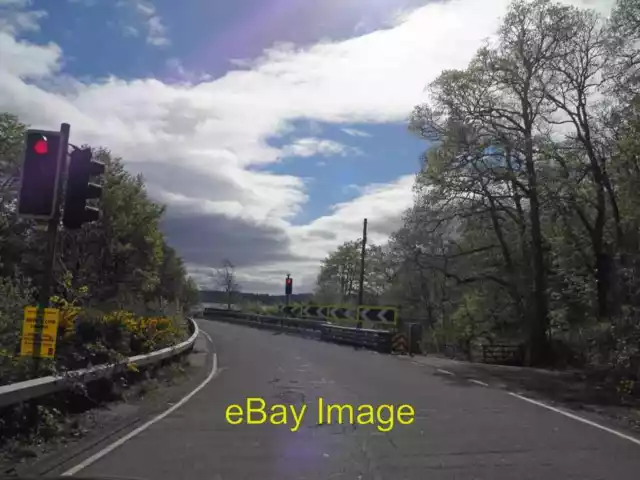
(338, 278)
(121, 256)
(16, 235)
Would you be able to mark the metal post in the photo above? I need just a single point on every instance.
(50, 256)
(362, 257)
(286, 294)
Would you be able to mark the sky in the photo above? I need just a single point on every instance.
(269, 128)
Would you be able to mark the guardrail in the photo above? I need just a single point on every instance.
(38, 387)
(375, 339)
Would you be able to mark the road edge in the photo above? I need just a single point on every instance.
(64, 457)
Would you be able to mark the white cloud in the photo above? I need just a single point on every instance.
(148, 15)
(157, 32)
(355, 133)
(15, 19)
(86, 3)
(130, 31)
(21, 60)
(207, 136)
(306, 147)
(381, 204)
(177, 69)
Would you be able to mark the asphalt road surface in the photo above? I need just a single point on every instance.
(461, 430)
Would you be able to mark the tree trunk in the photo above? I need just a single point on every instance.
(539, 322)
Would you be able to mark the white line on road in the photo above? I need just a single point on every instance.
(478, 382)
(446, 372)
(108, 449)
(208, 338)
(578, 418)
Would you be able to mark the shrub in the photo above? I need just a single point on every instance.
(86, 336)
(16, 293)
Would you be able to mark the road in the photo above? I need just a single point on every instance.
(461, 430)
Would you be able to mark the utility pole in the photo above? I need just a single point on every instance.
(362, 256)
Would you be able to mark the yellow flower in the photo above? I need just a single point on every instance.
(68, 315)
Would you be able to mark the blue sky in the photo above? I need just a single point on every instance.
(204, 35)
(388, 152)
(269, 128)
(102, 38)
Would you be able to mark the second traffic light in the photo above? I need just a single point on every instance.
(79, 189)
(288, 286)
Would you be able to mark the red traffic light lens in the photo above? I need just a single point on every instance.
(288, 281)
(41, 147)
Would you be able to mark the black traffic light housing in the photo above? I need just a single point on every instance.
(79, 189)
(40, 173)
(288, 285)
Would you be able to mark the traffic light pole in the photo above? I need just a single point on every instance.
(287, 294)
(50, 256)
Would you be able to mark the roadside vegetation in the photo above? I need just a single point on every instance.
(525, 227)
(121, 288)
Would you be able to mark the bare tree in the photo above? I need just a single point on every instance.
(225, 280)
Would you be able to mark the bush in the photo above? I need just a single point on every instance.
(86, 336)
(95, 337)
(16, 293)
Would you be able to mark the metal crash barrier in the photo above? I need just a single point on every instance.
(379, 340)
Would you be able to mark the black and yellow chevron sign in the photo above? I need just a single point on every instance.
(378, 314)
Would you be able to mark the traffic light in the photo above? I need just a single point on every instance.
(40, 172)
(288, 286)
(80, 189)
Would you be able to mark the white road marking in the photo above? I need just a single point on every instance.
(446, 372)
(207, 337)
(578, 418)
(108, 449)
(478, 382)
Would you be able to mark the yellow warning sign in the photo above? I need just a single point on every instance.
(48, 335)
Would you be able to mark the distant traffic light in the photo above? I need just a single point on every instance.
(40, 172)
(288, 286)
(80, 189)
